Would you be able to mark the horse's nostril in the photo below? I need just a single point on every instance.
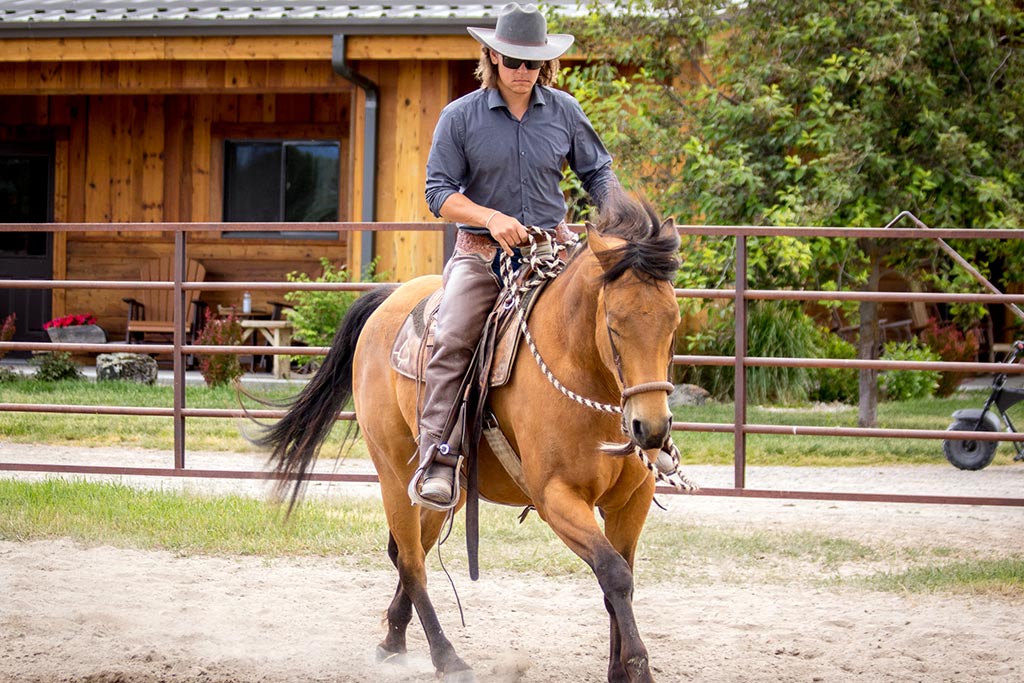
(646, 437)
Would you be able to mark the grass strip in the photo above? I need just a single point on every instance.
(354, 530)
(997, 577)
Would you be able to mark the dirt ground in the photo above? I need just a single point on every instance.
(69, 612)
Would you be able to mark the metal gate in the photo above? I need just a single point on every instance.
(740, 294)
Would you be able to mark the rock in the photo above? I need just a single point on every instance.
(688, 395)
(133, 367)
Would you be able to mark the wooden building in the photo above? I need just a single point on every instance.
(203, 111)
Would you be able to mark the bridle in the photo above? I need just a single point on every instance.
(544, 262)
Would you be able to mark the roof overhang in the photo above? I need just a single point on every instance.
(121, 18)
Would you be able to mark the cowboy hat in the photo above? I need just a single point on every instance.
(522, 32)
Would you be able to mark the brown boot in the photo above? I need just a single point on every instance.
(435, 484)
(438, 484)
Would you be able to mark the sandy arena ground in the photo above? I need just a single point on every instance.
(108, 615)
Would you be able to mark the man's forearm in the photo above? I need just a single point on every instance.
(459, 208)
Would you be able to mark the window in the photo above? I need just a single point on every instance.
(281, 181)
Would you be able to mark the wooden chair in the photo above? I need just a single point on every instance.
(152, 314)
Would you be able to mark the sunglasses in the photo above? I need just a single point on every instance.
(514, 63)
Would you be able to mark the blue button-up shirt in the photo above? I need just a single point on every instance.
(515, 166)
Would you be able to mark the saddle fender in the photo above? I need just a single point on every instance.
(974, 414)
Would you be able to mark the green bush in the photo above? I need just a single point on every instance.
(776, 329)
(316, 315)
(55, 367)
(836, 384)
(906, 385)
(220, 368)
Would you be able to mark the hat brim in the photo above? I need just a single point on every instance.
(556, 46)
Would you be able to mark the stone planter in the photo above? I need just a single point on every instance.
(77, 334)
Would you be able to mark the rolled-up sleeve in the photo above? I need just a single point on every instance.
(446, 164)
(589, 159)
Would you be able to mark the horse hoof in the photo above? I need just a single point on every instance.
(462, 676)
(389, 657)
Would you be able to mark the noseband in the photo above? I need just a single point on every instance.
(646, 387)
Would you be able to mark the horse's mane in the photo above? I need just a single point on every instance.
(651, 250)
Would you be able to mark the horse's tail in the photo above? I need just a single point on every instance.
(296, 438)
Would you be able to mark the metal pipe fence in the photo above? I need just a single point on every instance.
(740, 295)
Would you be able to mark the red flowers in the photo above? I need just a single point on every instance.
(71, 321)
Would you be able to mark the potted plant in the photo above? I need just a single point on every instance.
(75, 329)
(7, 330)
(221, 368)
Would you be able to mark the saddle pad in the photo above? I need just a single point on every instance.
(414, 343)
(415, 340)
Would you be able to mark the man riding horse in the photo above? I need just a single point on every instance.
(494, 168)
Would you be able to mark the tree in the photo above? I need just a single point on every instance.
(798, 112)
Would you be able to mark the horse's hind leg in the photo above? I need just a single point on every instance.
(399, 614)
(573, 520)
(413, 532)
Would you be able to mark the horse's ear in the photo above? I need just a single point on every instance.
(668, 224)
(596, 241)
(600, 247)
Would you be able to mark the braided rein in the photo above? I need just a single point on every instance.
(545, 263)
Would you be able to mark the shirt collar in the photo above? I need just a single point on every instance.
(496, 101)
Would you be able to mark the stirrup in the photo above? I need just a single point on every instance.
(417, 478)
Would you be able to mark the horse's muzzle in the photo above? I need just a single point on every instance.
(646, 419)
(649, 434)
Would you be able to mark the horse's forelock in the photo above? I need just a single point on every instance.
(651, 250)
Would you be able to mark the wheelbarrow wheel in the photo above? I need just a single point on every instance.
(969, 454)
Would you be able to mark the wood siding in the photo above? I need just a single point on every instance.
(139, 125)
(156, 158)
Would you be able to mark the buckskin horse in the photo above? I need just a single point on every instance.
(604, 330)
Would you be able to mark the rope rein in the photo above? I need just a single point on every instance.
(544, 261)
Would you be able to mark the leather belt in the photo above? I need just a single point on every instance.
(471, 243)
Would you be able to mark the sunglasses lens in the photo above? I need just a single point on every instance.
(515, 63)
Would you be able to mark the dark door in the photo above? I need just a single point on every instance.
(26, 196)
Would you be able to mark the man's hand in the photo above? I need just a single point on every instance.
(507, 231)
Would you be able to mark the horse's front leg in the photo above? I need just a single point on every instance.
(572, 518)
(622, 528)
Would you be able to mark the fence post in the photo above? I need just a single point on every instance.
(178, 355)
(740, 379)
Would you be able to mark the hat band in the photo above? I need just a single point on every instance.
(519, 42)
